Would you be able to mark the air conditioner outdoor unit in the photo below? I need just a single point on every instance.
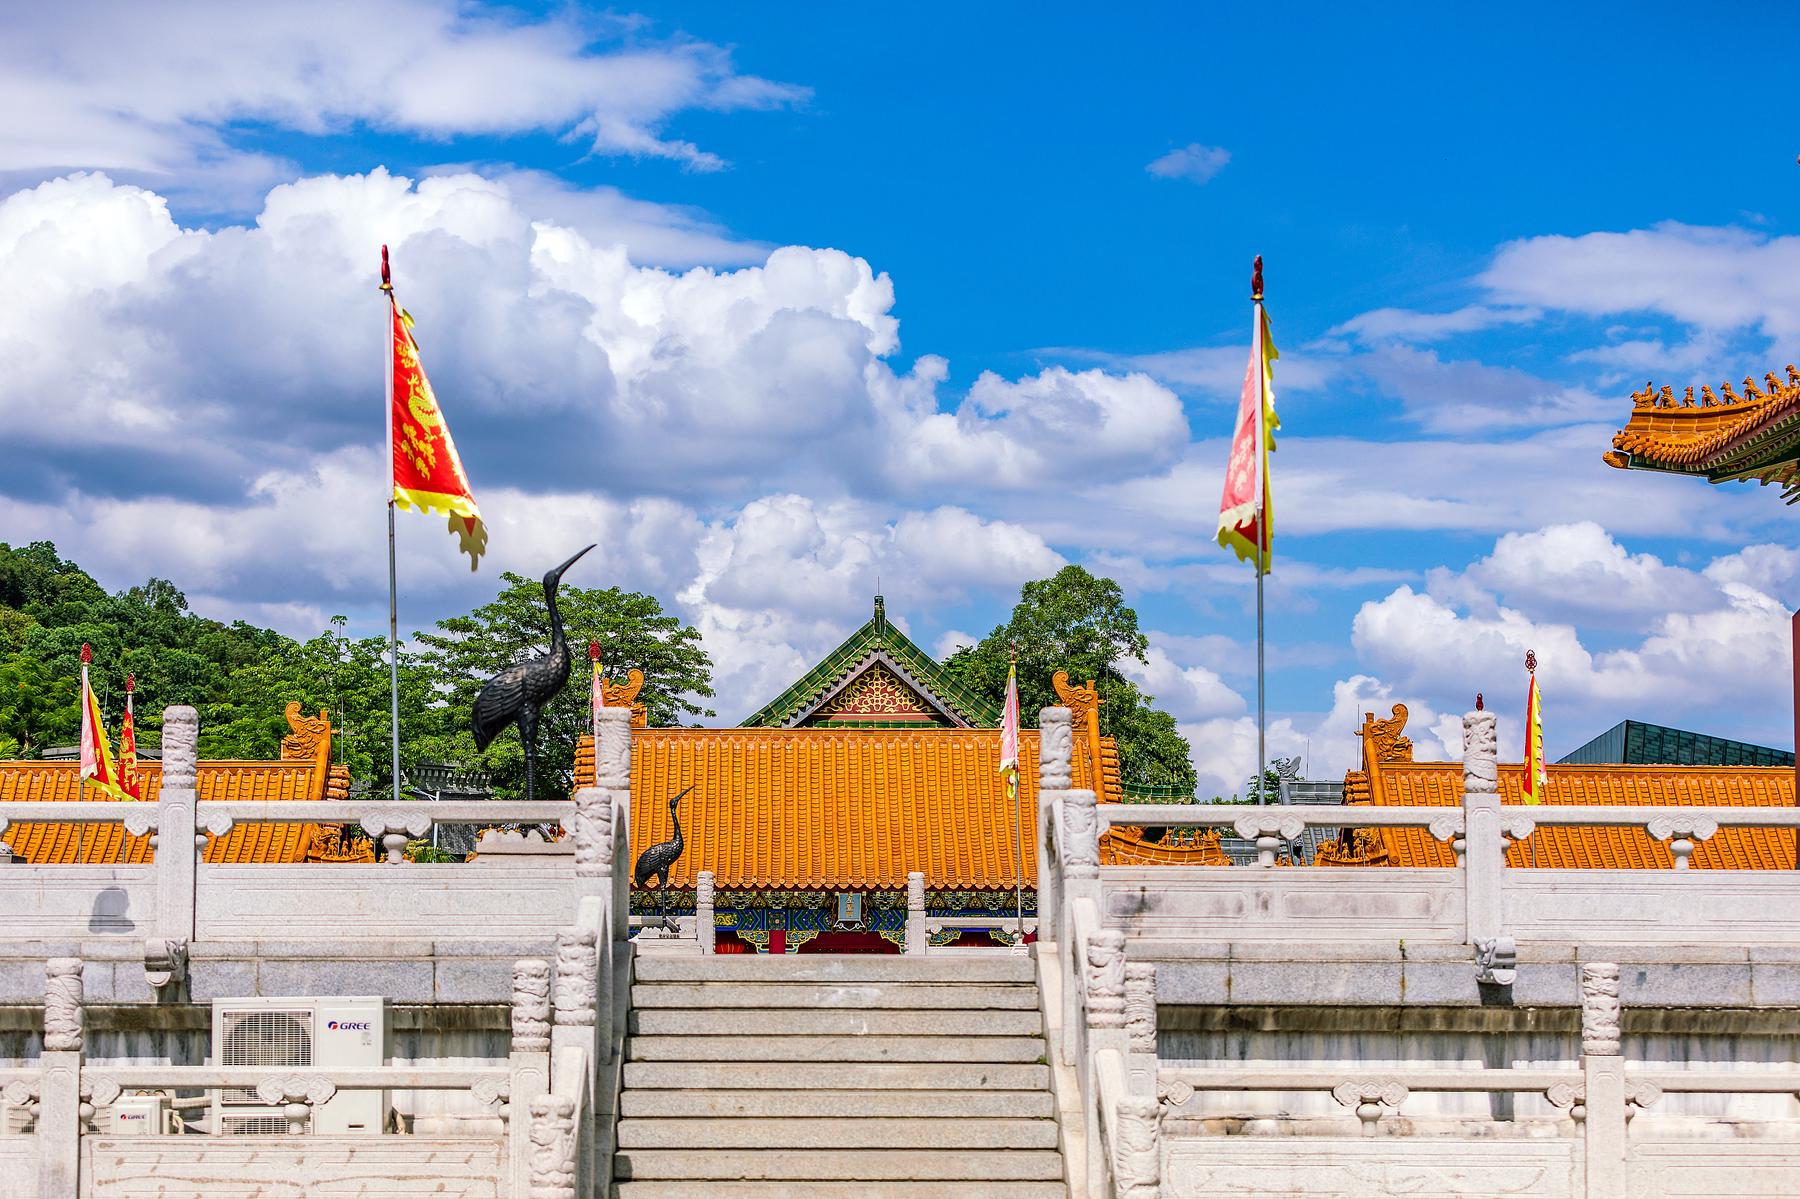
(140, 1116)
(347, 1032)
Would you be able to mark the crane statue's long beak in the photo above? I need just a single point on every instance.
(683, 795)
(558, 572)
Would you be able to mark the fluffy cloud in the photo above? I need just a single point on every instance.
(1194, 162)
(1726, 649)
(1577, 571)
(215, 355)
(145, 99)
(1705, 277)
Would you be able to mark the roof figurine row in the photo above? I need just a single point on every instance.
(1650, 397)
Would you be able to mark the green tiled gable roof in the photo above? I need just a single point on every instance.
(874, 641)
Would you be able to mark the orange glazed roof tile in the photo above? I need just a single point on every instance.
(1390, 778)
(830, 807)
(304, 773)
(63, 844)
(1720, 437)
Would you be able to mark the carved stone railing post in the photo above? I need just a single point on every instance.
(553, 1142)
(1104, 978)
(1603, 1085)
(1081, 837)
(917, 935)
(177, 843)
(612, 774)
(705, 925)
(1056, 774)
(1484, 857)
(1137, 1155)
(529, 1062)
(1140, 1029)
(593, 827)
(59, 1089)
(579, 1024)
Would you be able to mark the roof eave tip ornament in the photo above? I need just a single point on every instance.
(1256, 282)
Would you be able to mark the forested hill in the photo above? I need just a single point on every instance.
(241, 677)
(49, 606)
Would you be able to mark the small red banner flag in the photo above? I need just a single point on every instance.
(428, 475)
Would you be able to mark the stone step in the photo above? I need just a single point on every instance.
(872, 1165)
(835, 1076)
(823, 968)
(840, 1190)
(918, 996)
(827, 1104)
(838, 1022)
(834, 1049)
(858, 1134)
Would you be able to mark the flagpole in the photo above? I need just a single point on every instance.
(1262, 516)
(1018, 820)
(387, 373)
(86, 740)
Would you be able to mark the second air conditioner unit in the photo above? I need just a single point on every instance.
(340, 1032)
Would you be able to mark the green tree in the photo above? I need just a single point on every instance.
(1079, 622)
(633, 631)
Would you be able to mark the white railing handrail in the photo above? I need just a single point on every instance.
(298, 811)
(1413, 1078)
(368, 1078)
(1716, 1081)
(1323, 816)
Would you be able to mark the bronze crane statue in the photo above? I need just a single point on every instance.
(660, 858)
(518, 693)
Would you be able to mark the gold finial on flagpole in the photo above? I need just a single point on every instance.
(1256, 284)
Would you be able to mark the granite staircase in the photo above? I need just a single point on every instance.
(850, 1077)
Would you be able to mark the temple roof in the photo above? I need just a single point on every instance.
(877, 678)
(1390, 778)
(839, 807)
(304, 772)
(1720, 437)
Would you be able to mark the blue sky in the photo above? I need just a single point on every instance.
(775, 302)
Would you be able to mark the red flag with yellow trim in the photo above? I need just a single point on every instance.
(1246, 514)
(130, 783)
(97, 763)
(428, 476)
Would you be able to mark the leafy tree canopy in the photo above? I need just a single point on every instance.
(634, 633)
(240, 677)
(1079, 622)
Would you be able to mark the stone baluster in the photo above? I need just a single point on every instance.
(1603, 1081)
(917, 936)
(1484, 855)
(1683, 833)
(705, 925)
(59, 1087)
(1269, 828)
(296, 1095)
(1080, 849)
